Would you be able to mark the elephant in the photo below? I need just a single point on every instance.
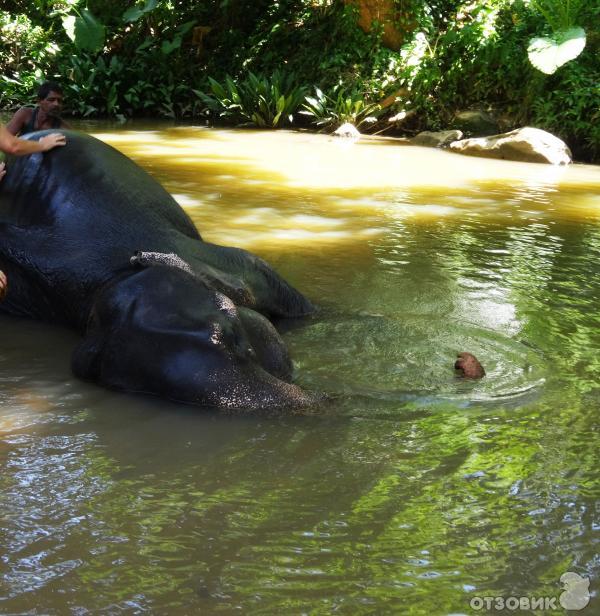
(91, 241)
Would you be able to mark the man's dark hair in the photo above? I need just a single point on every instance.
(46, 88)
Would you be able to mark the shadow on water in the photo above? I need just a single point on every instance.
(409, 492)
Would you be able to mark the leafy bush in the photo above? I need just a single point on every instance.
(317, 40)
(26, 54)
(265, 102)
(477, 58)
(559, 14)
(569, 108)
(329, 112)
(101, 86)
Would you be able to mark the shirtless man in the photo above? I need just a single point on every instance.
(45, 115)
(20, 147)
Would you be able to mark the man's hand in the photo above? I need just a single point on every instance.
(51, 141)
(3, 285)
(2, 170)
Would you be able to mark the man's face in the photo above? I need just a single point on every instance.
(52, 104)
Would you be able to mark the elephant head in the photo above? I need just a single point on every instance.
(163, 330)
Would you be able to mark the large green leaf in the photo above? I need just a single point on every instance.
(135, 12)
(549, 53)
(68, 23)
(281, 102)
(85, 31)
(217, 88)
(169, 47)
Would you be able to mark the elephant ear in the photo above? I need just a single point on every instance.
(271, 352)
(106, 357)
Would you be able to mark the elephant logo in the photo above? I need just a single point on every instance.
(576, 593)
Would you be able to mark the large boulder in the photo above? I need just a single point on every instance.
(530, 145)
(436, 139)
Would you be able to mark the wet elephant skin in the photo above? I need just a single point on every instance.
(90, 240)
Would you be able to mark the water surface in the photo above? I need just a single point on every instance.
(412, 491)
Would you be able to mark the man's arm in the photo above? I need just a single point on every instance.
(19, 120)
(20, 147)
(3, 285)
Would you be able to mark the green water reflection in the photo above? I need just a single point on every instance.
(411, 491)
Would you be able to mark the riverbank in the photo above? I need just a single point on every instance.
(450, 58)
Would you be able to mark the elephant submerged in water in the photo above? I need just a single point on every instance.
(88, 239)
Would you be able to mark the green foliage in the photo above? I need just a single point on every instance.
(319, 41)
(144, 57)
(27, 52)
(476, 58)
(560, 15)
(548, 53)
(139, 10)
(329, 112)
(569, 108)
(85, 31)
(135, 71)
(98, 86)
(265, 102)
(94, 85)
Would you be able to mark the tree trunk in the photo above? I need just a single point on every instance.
(384, 12)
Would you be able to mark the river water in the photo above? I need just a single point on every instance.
(412, 491)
